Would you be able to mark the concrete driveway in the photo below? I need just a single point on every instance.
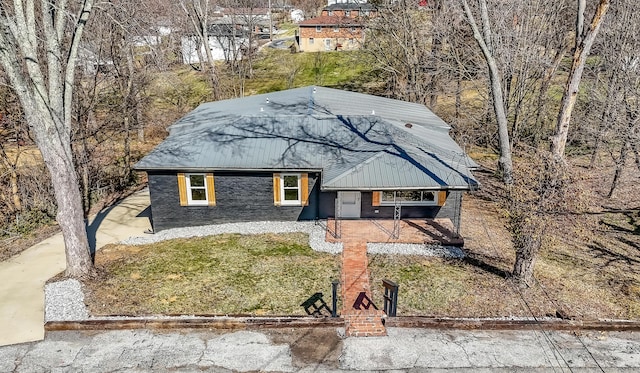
(22, 277)
(323, 350)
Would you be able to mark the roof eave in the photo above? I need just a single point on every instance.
(231, 169)
(375, 189)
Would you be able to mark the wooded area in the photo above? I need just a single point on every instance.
(88, 86)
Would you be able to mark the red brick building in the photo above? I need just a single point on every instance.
(340, 27)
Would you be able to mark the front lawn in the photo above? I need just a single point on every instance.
(267, 274)
(431, 286)
(589, 271)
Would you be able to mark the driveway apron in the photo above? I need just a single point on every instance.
(23, 276)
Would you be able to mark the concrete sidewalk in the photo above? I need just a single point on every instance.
(324, 350)
(22, 277)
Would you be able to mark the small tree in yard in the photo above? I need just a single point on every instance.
(543, 191)
(39, 43)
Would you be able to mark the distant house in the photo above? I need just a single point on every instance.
(296, 15)
(340, 26)
(232, 32)
(254, 20)
(226, 42)
(304, 154)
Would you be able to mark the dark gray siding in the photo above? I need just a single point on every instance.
(244, 196)
(452, 209)
(239, 197)
(327, 204)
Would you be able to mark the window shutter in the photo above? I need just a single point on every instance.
(276, 189)
(304, 189)
(376, 198)
(442, 197)
(211, 190)
(182, 189)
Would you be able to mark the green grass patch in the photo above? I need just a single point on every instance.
(440, 287)
(277, 70)
(226, 274)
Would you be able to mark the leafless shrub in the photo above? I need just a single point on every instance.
(543, 192)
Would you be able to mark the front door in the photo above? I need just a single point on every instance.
(349, 205)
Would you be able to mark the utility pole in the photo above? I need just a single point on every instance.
(270, 23)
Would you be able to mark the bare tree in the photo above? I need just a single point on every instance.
(542, 190)
(485, 42)
(615, 88)
(10, 132)
(583, 40)
(400, 42)
(198, 13)
(38, 52)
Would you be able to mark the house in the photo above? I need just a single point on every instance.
(226, 42)
(231, 33)
(340, 26)
(304, 154)
(255, 20)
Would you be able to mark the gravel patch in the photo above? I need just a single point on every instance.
(316, 233)
(64, 301)
(415, 249)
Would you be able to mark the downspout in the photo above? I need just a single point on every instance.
(316, 186)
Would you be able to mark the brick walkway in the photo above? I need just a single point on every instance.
(362, 319)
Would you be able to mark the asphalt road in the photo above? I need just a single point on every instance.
(324, 350)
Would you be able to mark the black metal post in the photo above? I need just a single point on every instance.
(390, 297)
(334, 294)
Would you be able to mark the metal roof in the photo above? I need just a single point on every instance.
(350, 6)
(358, 141)
(331, 21)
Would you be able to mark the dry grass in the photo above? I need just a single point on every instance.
(589, 271)
(14, 245)
(226, 274)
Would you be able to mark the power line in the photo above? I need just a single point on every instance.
(551, 343)
(544, 290)
(528, 307)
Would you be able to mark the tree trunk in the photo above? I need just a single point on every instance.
(484, 41)
(39, 55)
(59, 160)
(580, 54)
(15, 205)
(620, 163)
(15, 191)
(139, 116)
(527, 247)
(636, 153)
(604, 122)
(524, 266)
(458, 98)
(128, 102)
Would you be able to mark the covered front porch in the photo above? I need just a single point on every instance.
(439, 231)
